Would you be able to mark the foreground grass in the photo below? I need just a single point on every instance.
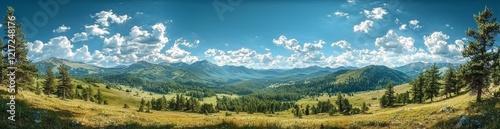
(62, 113)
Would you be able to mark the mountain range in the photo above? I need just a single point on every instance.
(206, 74)
(414, 69)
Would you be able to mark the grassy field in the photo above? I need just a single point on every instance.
(92, 115)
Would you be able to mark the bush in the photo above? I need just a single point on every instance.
(125, 106)
(228, 114)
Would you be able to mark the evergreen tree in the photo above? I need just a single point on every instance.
(314, 110)
(50, 80)
(307, 110)
(389, 94)
(384, 101)
(339, 102)
(296, 111)
(418, 88)
(25, 70)
(148, 107)
(480, 52)
(364, 108)
(450, 82)
(346, 110)
(141, 107)
(432, 85)
(99, 97)
(460, 78)
(65, 82)
(495, 74)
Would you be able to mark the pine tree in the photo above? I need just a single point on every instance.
(383, 101)
(339, 102)
(64, 81)
(307, 110)
(364, 108)
(450, 82)
(99, 97)
(460, 78)
(389, 94)
(480, 52)
(148, 107)
(25, 70)
(418, 88)
(49, 81)
(346, 110)
(432, 86)
(495, 74)
(141, 107)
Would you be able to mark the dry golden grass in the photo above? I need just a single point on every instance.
(94, 115)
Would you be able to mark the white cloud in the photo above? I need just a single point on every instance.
(61, 29)
(351, 1)
(342, 44)
(402, 27)
(290, 44)
(210, 52)
(308, 47)
(342, 14)
(176, 54)
(0, 25)
(415, 24)
(188, 44)
(106, 17)
(59, 47)
(363, 26)
(375, 13)
(83, 54)
(293, 44)
(139, 45)
(82, 36)
(437, 44)
(95, 30)
(394, 43)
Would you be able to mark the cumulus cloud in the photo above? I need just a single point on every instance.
(376, 13)
(402, 27)
(437, 44)
(95, 30)
(364, 26)
(59, 47)
(293, 44)
(106, 17)
(342, 44)
(394, 43)
(61, 29)
(82, 36)
(415, 24)
(176, 54)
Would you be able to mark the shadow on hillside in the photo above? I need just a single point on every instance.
(25, 115)
(485, 114)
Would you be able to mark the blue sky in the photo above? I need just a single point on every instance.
(257, 34)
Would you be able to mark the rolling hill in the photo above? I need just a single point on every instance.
(75, 68)
(367, 78)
